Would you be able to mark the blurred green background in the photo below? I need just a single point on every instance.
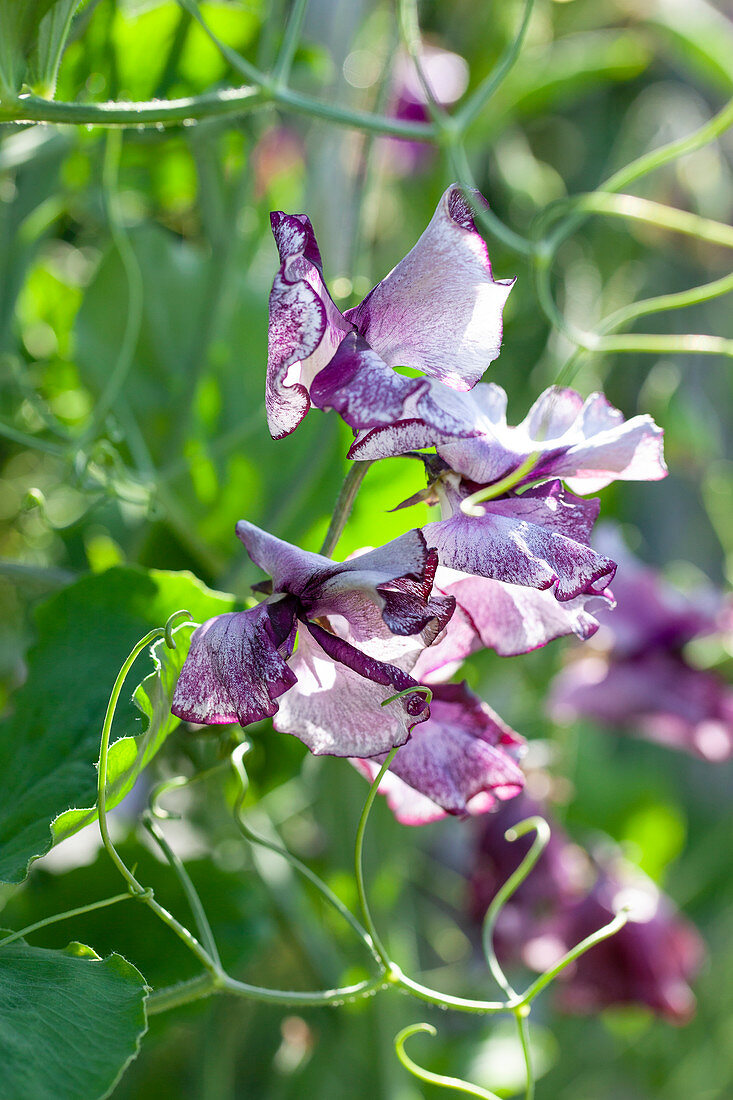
(134, 274)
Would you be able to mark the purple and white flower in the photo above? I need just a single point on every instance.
(359, 626)
(438, 311)
(462, 761)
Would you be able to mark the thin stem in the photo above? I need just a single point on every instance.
(32, 442)
(409, 23)
(199, 913)
(237, 762)
(445, 1000)
(515, 880)
(488, 86)
(344, 504)
(649, 162)
(359, 862)
(78, 912)
(602, 934)
(137, 649)
(204, 985)
(503, 485)
(522, 1019)
(434, 1078)
(291, 40)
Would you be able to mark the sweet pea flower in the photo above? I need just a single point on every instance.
(461, 761)
(523, 572)
(359, 626)
(638, 678)
(438, 311)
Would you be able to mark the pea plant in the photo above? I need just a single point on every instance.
(360, 659)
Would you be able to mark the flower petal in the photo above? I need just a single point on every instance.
(538, 539)
(335, 707)
(439, 310)
(236, 666)
(507, 618)
(461, 761)
(305, 325)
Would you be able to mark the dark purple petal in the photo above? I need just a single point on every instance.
(408, 608)
(537, 540)
(236, 666)
(461, 761)
(369, 395)
(439, 310)
(305, 325)
(335, 707)
(656, 695)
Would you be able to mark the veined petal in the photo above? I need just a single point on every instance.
(440, 309)
(335, 707)
(538, 540)
(236, 666)
(305, 325)
(507, 618)
(461, 761)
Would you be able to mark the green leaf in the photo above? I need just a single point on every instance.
(45, 59)
(48, 747)
(70, 1022)
(20, 22)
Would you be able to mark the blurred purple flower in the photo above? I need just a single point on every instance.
(362, 623)
(639, 679)
(462, 760)
(438, 311)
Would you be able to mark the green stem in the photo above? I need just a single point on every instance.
(199, 913)
(439, 1079)
(445, 1000)
(515, 880)
(237, 762)
(31, 442)
(291, 39)
(488, 86)
(523, 1030)
(498, 488)
(359, 863)
(78, 912)
(344, 504)
(485, 217)
(602, 934)
(205, 984)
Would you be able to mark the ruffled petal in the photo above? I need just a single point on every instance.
(507, 618)
(461, 761)
(587, 443)
(538, 540)
(440, 309)
(236, 666)
(305, 325)
(396, 578)
(368, 395)
(335, 707)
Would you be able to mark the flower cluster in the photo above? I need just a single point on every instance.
(571, 895)
(638, 678)
(352, 657)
